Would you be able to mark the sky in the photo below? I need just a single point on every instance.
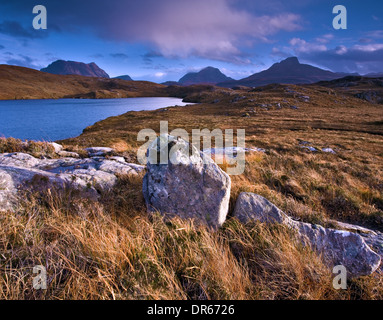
(161, 40)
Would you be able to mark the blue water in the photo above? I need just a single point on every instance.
(51, 120)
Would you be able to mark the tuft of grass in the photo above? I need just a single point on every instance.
(35, 148)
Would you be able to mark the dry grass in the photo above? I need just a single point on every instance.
(35, 148)
(111, 249)
(313, 186)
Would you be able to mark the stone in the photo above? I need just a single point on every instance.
(119, 159)
(99, 151)
(230, 152)
(253, 207)
(328, 150)
(186, 186)
(57, 147)
(338, 247)
(68, 154)
(309, 148)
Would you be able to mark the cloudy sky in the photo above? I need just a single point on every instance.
(160, 40)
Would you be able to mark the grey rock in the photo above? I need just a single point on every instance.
(309, 148)
(253, 207)
(230, 152)
(328, 150)
(338, 247)
(119, 159)
(92, 175)
(373, 238)
(99, 151)
(188, 187)
(57, 147)
(68, 154)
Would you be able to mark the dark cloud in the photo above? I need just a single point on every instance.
(119, 55)
(24, 61)
(359, 58)
(15, 29)
(214, 29)
(148, 57)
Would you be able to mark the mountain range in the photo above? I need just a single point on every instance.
(288, 71)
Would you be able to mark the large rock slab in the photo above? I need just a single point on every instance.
(92, 175)
(188, 187)
(338, 247)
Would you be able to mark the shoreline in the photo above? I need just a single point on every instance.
(66, 108)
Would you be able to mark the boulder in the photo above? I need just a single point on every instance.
(186, 186)
(338, 247)
(252, 207)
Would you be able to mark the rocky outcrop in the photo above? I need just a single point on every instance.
(91, 174)
(338, 247)
(186, 186)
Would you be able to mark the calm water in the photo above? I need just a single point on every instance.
(52, 120)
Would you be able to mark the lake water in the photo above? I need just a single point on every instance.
(52, 120)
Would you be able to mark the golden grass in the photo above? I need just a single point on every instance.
(111, 249)
(35, 148)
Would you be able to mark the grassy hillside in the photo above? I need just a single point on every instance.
(25, 83)
(111, 248)
(283, 120)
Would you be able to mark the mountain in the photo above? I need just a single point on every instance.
(124, 77)
(208, 75)
(73, 67)
(289, 71)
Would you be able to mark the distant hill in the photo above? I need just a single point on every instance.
(171, 83)
(124, 77)
(24, 83)
(374, 75)
(73, 67)
(208, 75)
(289, 71)
(366, 88)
